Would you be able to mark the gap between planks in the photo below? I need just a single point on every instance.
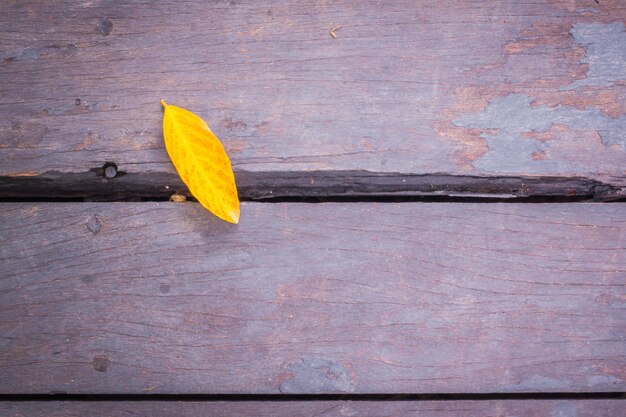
(314, 186)
(513, 396)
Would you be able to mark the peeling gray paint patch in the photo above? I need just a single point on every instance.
(535, 383)
(315, 375)
(513, 115)
(605, 46)
(33, 53)
(586, 10)
(602, 379)
(23, 54)
(564, 409)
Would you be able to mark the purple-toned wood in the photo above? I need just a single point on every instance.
(312, 298)
(551, 408)
(498, 88)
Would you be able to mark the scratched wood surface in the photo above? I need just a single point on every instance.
(312, 298)
(544, 408)
(491, 89)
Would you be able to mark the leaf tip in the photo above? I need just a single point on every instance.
(163, 103)
(234, 217)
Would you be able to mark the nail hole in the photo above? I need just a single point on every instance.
(100, 363)
(109, 170)
(94, 224)
(104, 26)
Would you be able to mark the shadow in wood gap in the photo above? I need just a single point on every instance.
(317, 397)
(331, 199)
(320, 186)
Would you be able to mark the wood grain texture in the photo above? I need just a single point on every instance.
(312, 298)
(562, 408)
(495, 88)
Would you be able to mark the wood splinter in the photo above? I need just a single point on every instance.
(333, 29)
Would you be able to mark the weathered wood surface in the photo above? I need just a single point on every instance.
(306, 298)
(498, 88)
(559, 408)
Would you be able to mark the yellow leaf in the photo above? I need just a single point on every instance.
(201, 162)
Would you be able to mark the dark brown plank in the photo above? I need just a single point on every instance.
(305, 298)
(561, 408)
(456, 88)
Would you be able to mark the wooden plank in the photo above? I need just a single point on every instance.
(558, 408)
(456, 88)
(312, 298)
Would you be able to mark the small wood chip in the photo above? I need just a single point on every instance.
(333, 29)
(178, 198)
